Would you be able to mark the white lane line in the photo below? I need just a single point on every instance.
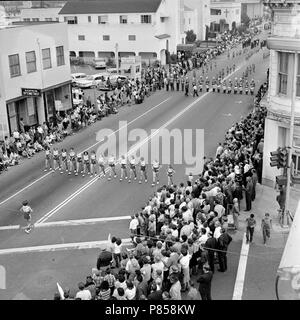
(133, 149)
(68, 223)
(92, 146)
(81, 222)
(25, 188)
(240, 277)
(61, 247)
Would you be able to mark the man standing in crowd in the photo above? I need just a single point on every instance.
(223, 243)
(205, 283)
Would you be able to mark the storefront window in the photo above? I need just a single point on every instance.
(283, 72)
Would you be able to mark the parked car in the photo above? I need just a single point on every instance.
(77, 76)
(99, 63)
(91, 81)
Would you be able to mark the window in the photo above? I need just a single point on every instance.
(102, 19)
(46, 58)
(298, 78)
(35, 19)
(106, 38)
(283, 58)
(14, 65)
(81, 37)
(215, 12)
(131, 37)
(60, 58)
(89, 19)
(26, 19)
(30, 61)
(71, 20)
(48, 19)
(123, 19)
(146, 18)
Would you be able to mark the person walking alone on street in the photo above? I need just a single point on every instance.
(251, 223)
(266, 226)
(26, 210)
(205, 283)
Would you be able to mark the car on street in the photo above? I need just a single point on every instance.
(99, 63)
(77, 76)
(91, 81)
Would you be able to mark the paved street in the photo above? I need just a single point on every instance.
(62, 198)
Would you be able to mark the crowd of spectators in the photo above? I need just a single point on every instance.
(183, 230)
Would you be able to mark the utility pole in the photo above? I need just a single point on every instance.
(117, 57)
(291, 140)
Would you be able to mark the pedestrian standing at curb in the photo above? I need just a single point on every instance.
(251, 223)
(26, 210)
(266, 225)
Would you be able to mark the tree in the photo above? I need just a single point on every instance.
(245, 19)
(190, 37)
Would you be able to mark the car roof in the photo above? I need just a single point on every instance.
(78, 74)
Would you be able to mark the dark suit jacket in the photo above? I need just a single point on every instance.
(205, 282)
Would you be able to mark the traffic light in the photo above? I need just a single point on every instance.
(283, 158)
(274, 159)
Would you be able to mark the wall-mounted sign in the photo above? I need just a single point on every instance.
(31, 92)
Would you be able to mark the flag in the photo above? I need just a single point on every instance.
(61, 291)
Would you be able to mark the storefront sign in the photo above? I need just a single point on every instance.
(31, 92)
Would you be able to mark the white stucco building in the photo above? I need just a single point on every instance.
(33, 57)
(39, 14)
(139, 27)
(284, 44)
(230, 11)
(253, 8)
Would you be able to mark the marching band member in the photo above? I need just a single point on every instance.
(219, 85)
(200, 84)
(112, 166)
(72, 161)
(47, 159)
(214, 84)
(246, 87)
(143, 171)
(207, 82)
(79, 164)
(101, 162)
(224, 86)
(241, 86)
(235, 85)
(170, 174)
(155, 170)
(86, 163)
(93, 168)
(132, 169)
(56, 163)
(123, 168)
(229, 86)
(64, 161)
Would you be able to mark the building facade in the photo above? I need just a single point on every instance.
(252, 8)
(137, 27)
(284, 45)
(35, 75)
(39, 14)
(225, 14)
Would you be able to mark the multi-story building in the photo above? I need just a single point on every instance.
(138, 27)
(35, 79)
(36, 14)
(252, 8)
(225, 14)
(284, 45)
(198, 11)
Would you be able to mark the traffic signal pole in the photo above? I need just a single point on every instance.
(291, 140)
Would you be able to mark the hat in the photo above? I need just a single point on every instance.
(174, 269)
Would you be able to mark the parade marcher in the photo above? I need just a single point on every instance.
(86, 163)
(26, 210)
(182, 83)
(252, 87)
(207, 83)
(246, 87)
(214, 84)
(224, 86)
(155, 170)
(241, 86)
(195, 90)
(236, 85)
(56, 162)
(200, 84)
(132, 168)
(170, 174)
(79, 168)
(93, 168)
(219, 85)
(123, 168)
(64, 161)
(72, 161)
(112, 167)
(177, 83)
(229, 86)
(187, 87)
(101, 162)
(47, 159)
(143, 171)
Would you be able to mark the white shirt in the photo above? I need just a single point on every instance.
(217, 232)
(133, 224)
(185, 261)
(130, 293)
(84, 295)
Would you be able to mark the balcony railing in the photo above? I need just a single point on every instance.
(274, 4)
